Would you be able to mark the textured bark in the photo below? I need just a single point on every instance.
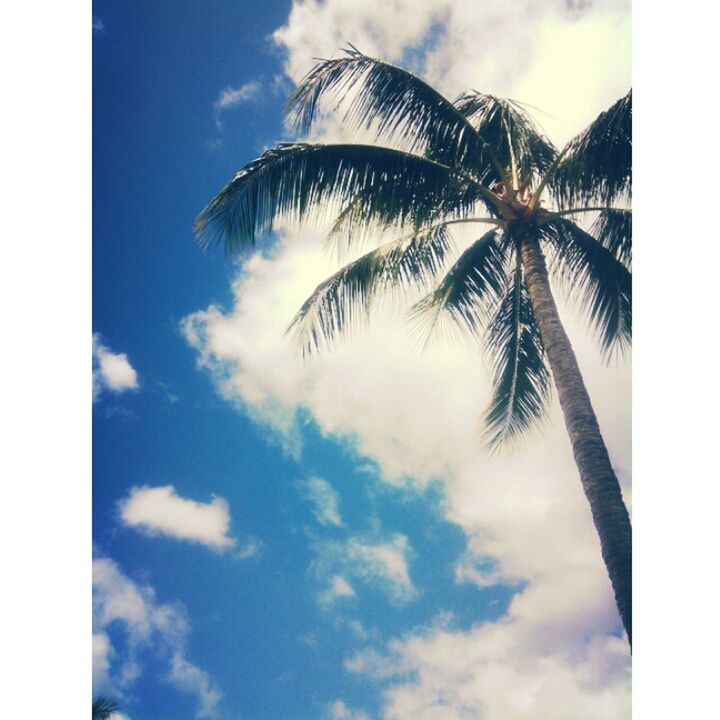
(591, 457)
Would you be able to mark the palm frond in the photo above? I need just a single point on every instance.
(395, 103)
(468, 290)
(521, 379)
(343, 300)
(293, 181)
(613, 230)
(596, 279)
(497, 121)
(103, 707)
(348, 227)
(597, 164)
(458, 200)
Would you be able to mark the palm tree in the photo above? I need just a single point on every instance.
(477, 160)
(103, 708)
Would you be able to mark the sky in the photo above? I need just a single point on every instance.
(45, 292)
(280, 539)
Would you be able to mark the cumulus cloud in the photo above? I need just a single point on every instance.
(232, 97)
(131, 613)
(325, 501)
(379, 563)
(111, 371)
(568, 59)
(161, 511)
(523, 512)
(490, 672)
(418, 415)
(557, 651)
(382, 29)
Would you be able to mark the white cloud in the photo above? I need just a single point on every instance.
(599, 45)
(491, 672)
(338, 710)
(380, 563)
(123, 607)
(382, 29)
(418, 415)
(325, 501)
(232, 97)
(568, 61)
(191, 679)
(161, 511)
(111, 371)
(101, 657)
(386, 563)
(339, 588)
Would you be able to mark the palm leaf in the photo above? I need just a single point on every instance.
(498, 120)
(458, 200)
(103, 708)
(468, 290)
(596, 279)
(521, 379)
(396, 104)
(613, 230)
(343, 300)
(291, 182)
(597, 163)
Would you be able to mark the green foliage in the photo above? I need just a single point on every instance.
(344, 299)
(613, 230)
(509, 132)
(597, 163)
(385, 187)
(469, 289)
(597, 280)
(393, 102)
(521, 379)
(103, 708)
(474, 160)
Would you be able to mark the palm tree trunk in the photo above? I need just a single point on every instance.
(591, 457)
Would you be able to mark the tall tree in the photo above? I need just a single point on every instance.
(478, 160)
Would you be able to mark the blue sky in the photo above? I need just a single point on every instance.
(274, 539)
